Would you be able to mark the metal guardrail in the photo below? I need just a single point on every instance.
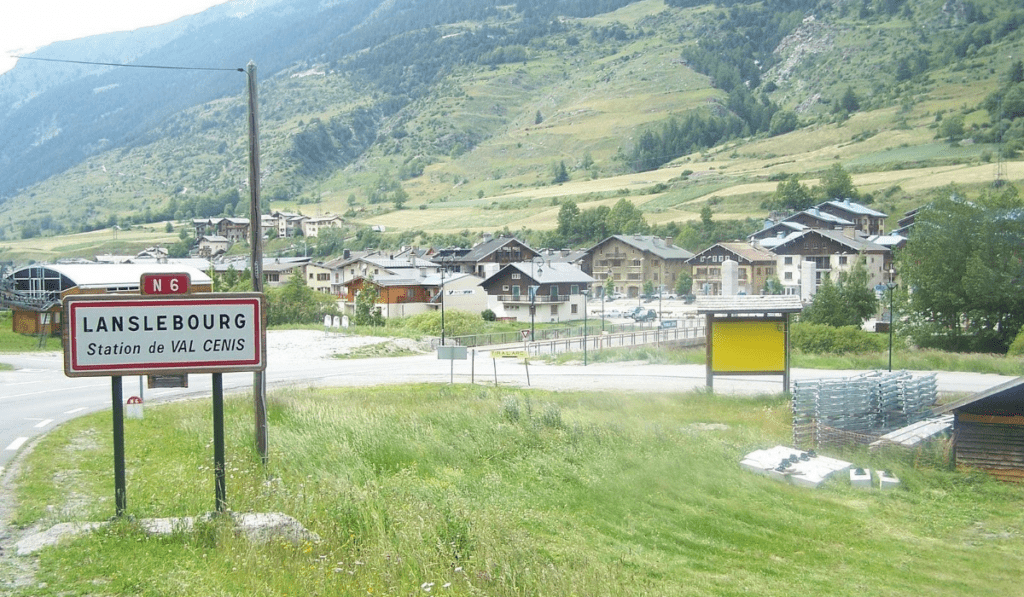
(693, 334)
(560, 334)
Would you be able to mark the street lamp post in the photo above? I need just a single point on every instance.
(891, 285)
(585, 293)
(534, 273)
(450, 258)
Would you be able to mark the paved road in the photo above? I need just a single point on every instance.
(37, 395)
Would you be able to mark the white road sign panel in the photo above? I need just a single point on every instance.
(136, 335)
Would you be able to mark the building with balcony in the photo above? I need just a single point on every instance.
(832, 253)
(754, 267)
(866, 220)
(537, 291)
(486, 257)
(632, 260)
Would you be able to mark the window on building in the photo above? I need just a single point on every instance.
(575, 309)
(788, 261)
(574, 289)
(788, 276)
(517, 276)
(842, 260)
(554, 309)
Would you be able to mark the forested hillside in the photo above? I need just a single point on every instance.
(468, 115)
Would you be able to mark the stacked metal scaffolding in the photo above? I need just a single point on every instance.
(859, 409)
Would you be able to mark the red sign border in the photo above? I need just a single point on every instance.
(74, 302)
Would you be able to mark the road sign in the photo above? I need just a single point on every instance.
(140, 335)
(525, 334)
(452, 353)
(508, 354)
(165, 283)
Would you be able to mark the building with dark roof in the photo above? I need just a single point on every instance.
(550, 291)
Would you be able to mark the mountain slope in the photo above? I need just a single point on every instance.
(465, 107)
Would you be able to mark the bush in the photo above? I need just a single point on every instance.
(488, 315)
(820, 338)
(1017, 346)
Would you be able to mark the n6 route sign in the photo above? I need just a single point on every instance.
(107, 335)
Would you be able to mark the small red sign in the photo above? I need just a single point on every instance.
(165, 284)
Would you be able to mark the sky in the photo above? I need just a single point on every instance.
(28, 25)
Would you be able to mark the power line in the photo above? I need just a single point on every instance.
(240, 70)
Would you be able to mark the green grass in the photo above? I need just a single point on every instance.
(494, 491)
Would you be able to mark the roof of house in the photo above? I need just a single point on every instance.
(854, 208)
(549, 273)
(649, 244)
(484, 249)
(96, 275)
(430, 280)
(815, 212)
(860, 244)
(745, 251)
(892, 241)
(284, 265)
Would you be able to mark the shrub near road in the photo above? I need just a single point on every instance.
(446, 490)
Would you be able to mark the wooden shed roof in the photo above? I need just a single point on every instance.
(1006, 399)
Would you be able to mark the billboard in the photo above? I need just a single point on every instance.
(746, 346)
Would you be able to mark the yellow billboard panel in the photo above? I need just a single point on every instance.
(748, 346)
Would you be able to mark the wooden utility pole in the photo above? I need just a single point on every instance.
(259, 382)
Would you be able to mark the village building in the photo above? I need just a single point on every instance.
(633, 260)
(866, 220)
(754, 266)
(528, 292)
(487, 257)
(829, 253)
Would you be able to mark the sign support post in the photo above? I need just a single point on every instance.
(218, 441)
(120, 492)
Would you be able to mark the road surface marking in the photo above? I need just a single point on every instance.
(74, 410)
(17, 443)
(43, 423)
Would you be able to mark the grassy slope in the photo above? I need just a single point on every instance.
(511, 492)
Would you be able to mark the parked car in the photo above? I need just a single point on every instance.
(646, 315)
(634, 312)
(613, 313)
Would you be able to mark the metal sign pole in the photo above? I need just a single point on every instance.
(218, 441)
(120, 494)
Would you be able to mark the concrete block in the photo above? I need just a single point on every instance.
(887, 481)
(860, 477)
